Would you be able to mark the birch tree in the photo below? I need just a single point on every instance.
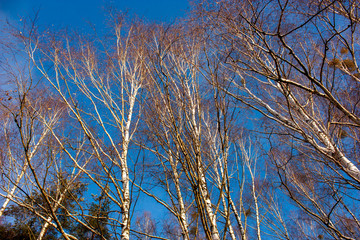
(192, 132)
(99, 85)
(295, 63)
(176, 101)
(189, 96)
(24, 134)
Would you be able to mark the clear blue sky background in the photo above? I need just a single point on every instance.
(77, 13)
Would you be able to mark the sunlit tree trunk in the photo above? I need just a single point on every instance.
(304, 89)
(109, 94)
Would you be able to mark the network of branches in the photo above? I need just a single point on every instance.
(240, 121)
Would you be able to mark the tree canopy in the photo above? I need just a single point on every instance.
(240, 121)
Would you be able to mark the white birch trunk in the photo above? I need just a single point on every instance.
(10, 195)
(183, 218)
(125, 233)
(208, 206)
(330, 149)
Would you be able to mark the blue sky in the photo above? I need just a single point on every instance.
(78, 13)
